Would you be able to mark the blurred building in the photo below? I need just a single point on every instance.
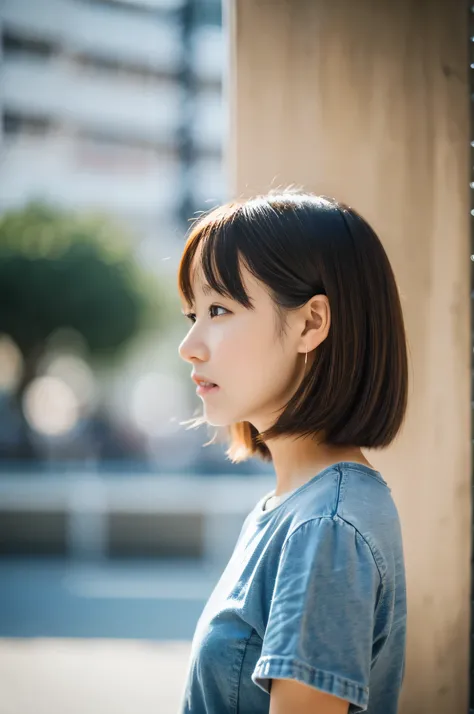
(114, 105)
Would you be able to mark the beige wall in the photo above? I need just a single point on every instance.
(368, 101)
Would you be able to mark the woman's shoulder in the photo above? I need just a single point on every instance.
(339, 489)
(353, 497)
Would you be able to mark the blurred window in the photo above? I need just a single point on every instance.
(112, 67)
(140, 6)
(15, 124)
(102, 150)
(14, 44)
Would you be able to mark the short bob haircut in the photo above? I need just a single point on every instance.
(300, 245)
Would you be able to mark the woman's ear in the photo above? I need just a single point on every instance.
(317, 316)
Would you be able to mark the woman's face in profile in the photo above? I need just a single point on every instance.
(241, 351)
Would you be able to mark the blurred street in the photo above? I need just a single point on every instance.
(91, 676)
(118, 599)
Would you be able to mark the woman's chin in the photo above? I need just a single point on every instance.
(213, 418)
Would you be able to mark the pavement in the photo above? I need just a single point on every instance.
(97, 638)
(81, 676)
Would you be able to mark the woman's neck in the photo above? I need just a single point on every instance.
(296, 461)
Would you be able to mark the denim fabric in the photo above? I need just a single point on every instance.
(315, 592)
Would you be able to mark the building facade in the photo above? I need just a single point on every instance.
(116, 106)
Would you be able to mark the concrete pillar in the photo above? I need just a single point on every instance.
(368, 101)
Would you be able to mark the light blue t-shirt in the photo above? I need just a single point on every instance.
(315, 592)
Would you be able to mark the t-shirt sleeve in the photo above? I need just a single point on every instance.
(321, 620)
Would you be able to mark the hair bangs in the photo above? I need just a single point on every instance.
(214, 247)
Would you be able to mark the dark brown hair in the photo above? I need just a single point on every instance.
(300, 245)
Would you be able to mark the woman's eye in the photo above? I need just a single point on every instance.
(213, 312)
(214, 308)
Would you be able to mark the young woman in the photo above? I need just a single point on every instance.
(297, 345)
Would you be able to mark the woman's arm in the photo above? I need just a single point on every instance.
(288, 696)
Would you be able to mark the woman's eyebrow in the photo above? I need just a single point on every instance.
(207, 290)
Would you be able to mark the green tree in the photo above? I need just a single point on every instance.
(63, 270)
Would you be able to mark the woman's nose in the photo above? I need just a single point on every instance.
(193, 349)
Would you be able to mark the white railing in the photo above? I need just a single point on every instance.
(87, 500)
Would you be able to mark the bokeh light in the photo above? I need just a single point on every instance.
(50, 406)
(156, 399)
(76, 374)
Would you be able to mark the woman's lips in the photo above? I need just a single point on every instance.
(204, 390)
(204, 385)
